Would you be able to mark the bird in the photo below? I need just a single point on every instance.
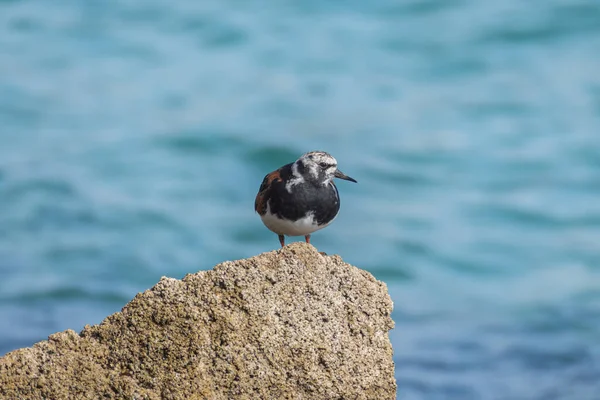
(300, 197)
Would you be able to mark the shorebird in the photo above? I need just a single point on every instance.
(300, 198)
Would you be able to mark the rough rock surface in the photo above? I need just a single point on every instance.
(289, 324)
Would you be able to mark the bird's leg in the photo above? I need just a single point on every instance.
(307, 237)
(282, 240)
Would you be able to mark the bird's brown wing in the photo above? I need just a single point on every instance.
(260, 203)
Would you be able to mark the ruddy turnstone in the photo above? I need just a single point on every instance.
(300, 198)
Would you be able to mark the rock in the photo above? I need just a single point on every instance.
(288, 324)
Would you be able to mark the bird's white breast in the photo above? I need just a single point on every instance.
(301, 227)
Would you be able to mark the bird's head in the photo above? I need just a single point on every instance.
(318, 166)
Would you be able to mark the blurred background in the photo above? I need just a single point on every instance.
(134, 136)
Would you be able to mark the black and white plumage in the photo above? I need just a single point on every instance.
(300, 198)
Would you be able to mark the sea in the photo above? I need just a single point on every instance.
(134, 136)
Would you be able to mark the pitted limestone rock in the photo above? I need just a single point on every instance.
(288, 324)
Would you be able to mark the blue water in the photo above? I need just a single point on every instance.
(134, 136)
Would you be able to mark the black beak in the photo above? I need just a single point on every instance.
(341, 175)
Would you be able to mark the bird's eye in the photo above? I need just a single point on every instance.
(323, 165)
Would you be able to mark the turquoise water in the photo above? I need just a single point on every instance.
(134, 136)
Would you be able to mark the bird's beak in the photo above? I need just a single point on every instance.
(341, 175)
